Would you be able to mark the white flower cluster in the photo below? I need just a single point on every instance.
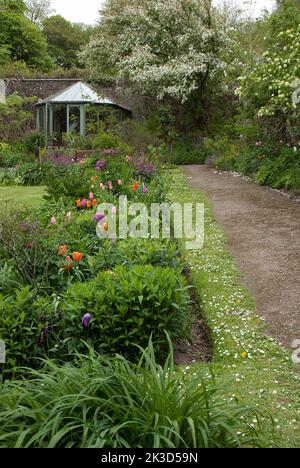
(271, 82)
(158, 47)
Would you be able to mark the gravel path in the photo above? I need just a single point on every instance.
(263, 229)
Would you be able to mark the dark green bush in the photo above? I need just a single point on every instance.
(133, 252)
(34, 174)
(34, 141)
(185, 151)
(13, 155)
(281, 172)
(103, 403)
(69, 181)
(127, 306)
(7, 177)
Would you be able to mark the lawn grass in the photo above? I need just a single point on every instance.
(27, 197)
(253, 368)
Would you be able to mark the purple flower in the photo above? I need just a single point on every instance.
(100, 165)
(84, 202)
(98, 217)
(24, 226)
(145, 190)
(86, 320)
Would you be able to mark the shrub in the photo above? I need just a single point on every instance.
(226, 163)
(135, 252)
(220, 149)
(185, 151)
(33, 174)
(13, 155)
(127, 306)
(109, 141)
(69, 181)
(34, 141)
(104, 403)
(19, 328)
(7, 177)
(281, 172)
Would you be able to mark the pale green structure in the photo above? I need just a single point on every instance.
(65, 112)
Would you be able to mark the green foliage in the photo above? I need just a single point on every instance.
(268, 89)
(219, 149)
(134, 252)
(65, 40)
(34, 141)
(7, 177)
(24, 40)
(69, 181)
(166, 50)
(103, 403)
(127, 306)
(14, 117)
(108, 140)
(13, 155)
(185, 151)
(34, 174)
(282, 171)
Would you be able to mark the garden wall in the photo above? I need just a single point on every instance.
(43, 88)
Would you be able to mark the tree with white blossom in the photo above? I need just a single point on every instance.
(162, 48)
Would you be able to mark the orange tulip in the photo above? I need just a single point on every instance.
(62, 250)
(77, 256)
(78, 203)
(105, 227)
(89, 204)
(95, 202)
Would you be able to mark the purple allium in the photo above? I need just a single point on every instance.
(86, 320)
(100, 166)
(98, 217)
(24, 226)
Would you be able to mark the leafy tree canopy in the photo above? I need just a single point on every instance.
(65, 40)
(20, 39)
(164, 48)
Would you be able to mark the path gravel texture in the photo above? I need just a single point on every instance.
(263, 230)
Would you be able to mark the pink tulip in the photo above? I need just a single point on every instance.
(120, 182)
(91, 196)
(53, 221)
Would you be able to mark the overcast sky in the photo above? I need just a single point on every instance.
(86, 11)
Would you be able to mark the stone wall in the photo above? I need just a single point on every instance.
(44, 88)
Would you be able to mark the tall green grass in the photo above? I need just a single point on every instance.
(102, 402)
